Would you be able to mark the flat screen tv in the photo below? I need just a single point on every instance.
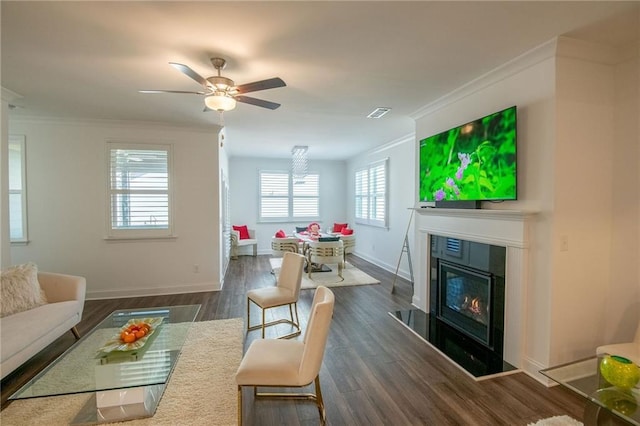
(475, 161)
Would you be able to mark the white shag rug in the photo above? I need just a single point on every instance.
(557, 421)
(201, 390)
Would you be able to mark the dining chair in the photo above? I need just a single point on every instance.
(280, 246)
(285, 292)
(348, 244)
(325, 252)
(290, 363)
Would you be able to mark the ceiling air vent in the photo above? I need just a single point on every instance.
(378, 112)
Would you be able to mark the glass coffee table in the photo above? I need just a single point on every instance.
(606, 404)
(127, 380)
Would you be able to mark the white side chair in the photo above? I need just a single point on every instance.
(630, 350)
(290, 363)
(285, 292)
(325, 252)
(236, 242)
(280, 246)
(349, 244)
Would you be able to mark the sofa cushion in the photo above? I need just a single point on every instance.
(20, 289)
(26, 328)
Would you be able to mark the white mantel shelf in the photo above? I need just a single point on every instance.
(484, 213)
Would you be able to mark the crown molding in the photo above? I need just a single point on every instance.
(526, 60)
(89, 122)
(9, 95)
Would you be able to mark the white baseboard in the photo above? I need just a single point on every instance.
(152, 291)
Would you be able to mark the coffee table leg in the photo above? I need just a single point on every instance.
(596, 415)
(120, 405)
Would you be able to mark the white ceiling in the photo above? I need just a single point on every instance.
(340, 60)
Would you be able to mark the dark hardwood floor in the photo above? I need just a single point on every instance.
(375, 371)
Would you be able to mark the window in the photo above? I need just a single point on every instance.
(17, 190)
(139, 191)
(283, 201)
(371, 194)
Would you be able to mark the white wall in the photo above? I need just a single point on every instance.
(66, 180)
(529, 83)
(383, 246)
(243, 186)
(577, 169)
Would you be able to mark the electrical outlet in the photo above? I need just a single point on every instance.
(196, 269)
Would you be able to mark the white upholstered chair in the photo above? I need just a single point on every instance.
(630, 350)
(325, 252)
(290, 363)
(285, 292)
(348, 245)
(280, 246)
(236, 242)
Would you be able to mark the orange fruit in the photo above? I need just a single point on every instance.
(129, 338)
(139, 334)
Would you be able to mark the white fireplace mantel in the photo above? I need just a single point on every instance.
(505, 228)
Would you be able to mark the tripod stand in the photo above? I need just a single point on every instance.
(405, 248)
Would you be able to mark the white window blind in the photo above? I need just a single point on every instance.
(281, 200)
(139, 190)
(371, 194)
(17, 189)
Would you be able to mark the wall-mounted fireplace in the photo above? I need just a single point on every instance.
(468, 289)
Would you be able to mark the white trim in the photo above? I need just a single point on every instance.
(20, 140)
(139, 234)
(526, 60)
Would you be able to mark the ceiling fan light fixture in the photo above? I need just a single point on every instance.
(220, 102)
(221, 83)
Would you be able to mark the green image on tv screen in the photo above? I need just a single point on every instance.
(475, 161)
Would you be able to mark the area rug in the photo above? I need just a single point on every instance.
(351, 275)
(557, 421)
(201, 390)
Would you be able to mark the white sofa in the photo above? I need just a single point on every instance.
(24, 334)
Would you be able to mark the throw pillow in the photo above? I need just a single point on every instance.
(300, 229)
(347, 231)
(244, 231)
(328, 239)
(281, 234)
(337, 227)
(20, 289)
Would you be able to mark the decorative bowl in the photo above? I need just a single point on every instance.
(619, 371)
(115, 344)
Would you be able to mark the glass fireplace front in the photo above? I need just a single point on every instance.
(465, 300)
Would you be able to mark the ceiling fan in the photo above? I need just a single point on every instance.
(221, 93)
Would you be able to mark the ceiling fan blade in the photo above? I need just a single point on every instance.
(172, 91)
(190, 73)
(257, 102)
(270, 83)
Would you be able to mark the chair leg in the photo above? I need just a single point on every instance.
(239, 405)
(317, 398)
(255, 250)
(248, 314)
(74, 330)
(263, 325)
(320, 402)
